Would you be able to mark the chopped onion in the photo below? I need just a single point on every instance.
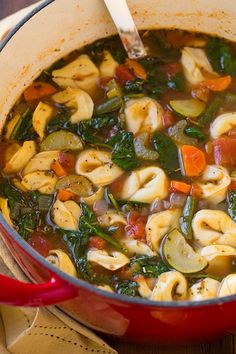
(100, 207)
(177, 200)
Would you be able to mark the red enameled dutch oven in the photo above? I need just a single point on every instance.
(54, 29)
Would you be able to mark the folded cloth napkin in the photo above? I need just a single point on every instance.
(44, 330)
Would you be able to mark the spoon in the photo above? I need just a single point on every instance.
(127, 30)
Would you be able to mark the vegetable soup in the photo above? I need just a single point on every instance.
(123, 172)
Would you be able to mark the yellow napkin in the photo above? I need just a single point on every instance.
(44, 330)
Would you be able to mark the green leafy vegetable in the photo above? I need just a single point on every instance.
(149, 267)
(108, 105)
(123, 154)
(196, 133)
(27, 223)
(210, 112)
(92, 131)
(168, 152)
(127, 287)
(24, 129)
(221, 57)
(187, 217)
(88, 225)
(232, 204)
(61, 121)
(88, 273)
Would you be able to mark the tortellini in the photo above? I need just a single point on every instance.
(170, 286)
(113, 261)
(98, 167)
(41, 162)
(214, 227)
(108, 65)
(5, 210)
(227, 286)
(66, 215)
(219, 258)
(136, 247)
(214, 183)
(143, 289)
(159, 224)
(62, 261)
(42, 115)
(143, 115)
(80, 73)
(44, 182)
(78, 99)
(94, 197)
(111, 218)
(195, 65)
(204, 289)
(20, 158)
(145, 185)
(222, 124)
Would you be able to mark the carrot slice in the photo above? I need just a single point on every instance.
(193, 160)
(218, 84)
(58, 169)
(38, 90)
(137, 69)
(196, 191)
(180, 187)
(64, 195)
(97, 242)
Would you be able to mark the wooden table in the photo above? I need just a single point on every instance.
(222, 346)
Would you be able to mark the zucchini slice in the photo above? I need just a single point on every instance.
(178, 254)
(188, 108)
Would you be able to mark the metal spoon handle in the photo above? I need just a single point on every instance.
(127, 30)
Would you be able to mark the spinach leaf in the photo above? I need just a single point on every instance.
(211, 111)
(168, 152)
(127, 287)
(195, 132)
(24, 128)
(76, 241)
(61, 121)
(46, 75)
(148, 266)
(187, 217)
(26, 222)
(123, 154)
(232, 204)
(108, 105)
(113, 45)
(92, 131)
(221, 57)
(88, 226)
(88, 273)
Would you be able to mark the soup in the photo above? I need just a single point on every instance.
(123, 172)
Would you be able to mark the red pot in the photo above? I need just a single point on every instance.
(54, 29)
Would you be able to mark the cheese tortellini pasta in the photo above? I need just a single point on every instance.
(98, 167)
(113, 261)
(143, 115)
(214, 183)
(145, 185)
(66, 215)
(222, 124)
(20, 158)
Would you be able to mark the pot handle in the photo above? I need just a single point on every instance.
(16, 293)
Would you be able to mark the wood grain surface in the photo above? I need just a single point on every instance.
(224, 345)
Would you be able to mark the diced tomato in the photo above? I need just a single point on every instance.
(225, 151)
(232, 186)
(168, 118)
(136, 225)
(64, 195)
(116, 187)
(172, 69)
(97, 242)
(201, 93)
(123, 74)
(40, 243)
(67, 160)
